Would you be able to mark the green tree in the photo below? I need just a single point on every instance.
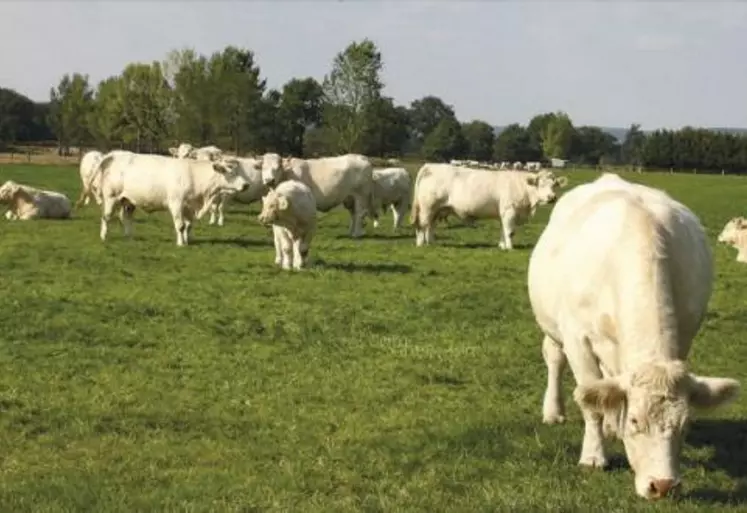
(591, 144)
(236, 92)
(300, 109)
(425, 114)
(106, 118)
(145, 97)
(188, 75)
(480, 138)
(445, 142)
(557, 136)
(70, 104)
(387, 133)
(350, 89)
(515, 143)
(633, 146)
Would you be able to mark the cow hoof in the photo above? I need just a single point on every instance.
(553, 418)
(593, 462)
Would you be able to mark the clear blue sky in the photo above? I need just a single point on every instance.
(662, 64)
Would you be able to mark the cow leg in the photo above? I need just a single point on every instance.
(107, 210)
(586, 369)
(297, 243)
(508, 223)
(213, 213)
(356, 218)
(221, 205)
(179, 223)
(126, 212)
(188, 216)
(287, 250)
(304, 248)
(278, 242)
(399, 211)
(553, 409)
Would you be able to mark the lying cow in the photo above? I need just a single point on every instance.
(391, 189)
(619, 282)
(511, 196)
(331, 180)
(291, 210)
(735, 235)
(187, 151)
(185, 187)
(26, 202)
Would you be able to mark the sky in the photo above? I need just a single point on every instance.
(662, 64)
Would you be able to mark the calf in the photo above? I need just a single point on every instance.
(734, 234)
(291, 210)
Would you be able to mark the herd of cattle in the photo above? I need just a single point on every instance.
(618, 281)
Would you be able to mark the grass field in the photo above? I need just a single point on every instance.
(139, 376)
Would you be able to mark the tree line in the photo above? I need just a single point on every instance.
(222, 99)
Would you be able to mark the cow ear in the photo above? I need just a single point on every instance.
(532, 180)
(562, 181)
(173, 152)
(709, 392)
(283, 203)
(600, 396)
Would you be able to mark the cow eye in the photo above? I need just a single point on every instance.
(634, 422)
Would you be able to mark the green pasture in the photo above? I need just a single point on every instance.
(139, 376)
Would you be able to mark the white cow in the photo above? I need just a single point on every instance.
(391, 189)
(252, 168)
(619, 282)
(187, 151)
(517, 165)
(87, 164)
(185, 187)
(26, 202)
(734, 234)
(291, 210)
(331, 179)
(89, 188)
(533, 166)
(511, 196)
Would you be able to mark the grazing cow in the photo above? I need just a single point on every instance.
(517, 165)
(391, 189)
(291, 210)
(187, 151)
(511, 196)
(185, 187)
(331, 179)
(26, 202)
(252, 168)
(619, 282)
(735, 235)
(87, 164)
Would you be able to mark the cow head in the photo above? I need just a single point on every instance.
(230, 168)
(9, 190)
(184, 151)
(274, 207)
(272, 169)
(730, 233)
(545, 184)
(652, 405)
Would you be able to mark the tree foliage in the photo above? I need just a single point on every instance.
(223, 99)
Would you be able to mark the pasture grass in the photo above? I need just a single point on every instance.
(139, 376)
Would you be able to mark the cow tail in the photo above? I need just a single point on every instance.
(415, 210)
(99, 168)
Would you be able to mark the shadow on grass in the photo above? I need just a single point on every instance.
(365, 268)
(242, 243)
(728, 440)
